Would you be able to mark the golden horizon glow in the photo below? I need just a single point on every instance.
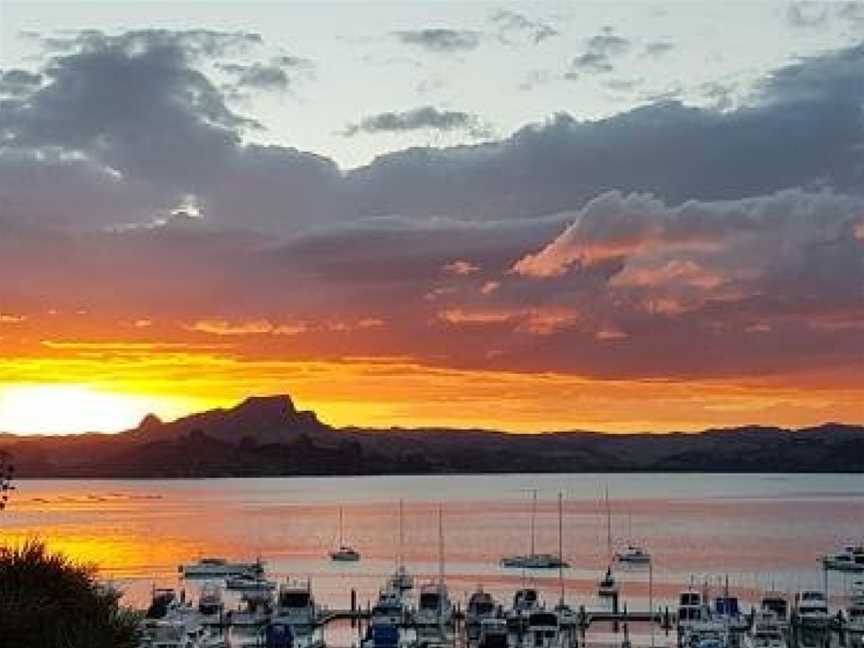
(116, 388)
(69, 408)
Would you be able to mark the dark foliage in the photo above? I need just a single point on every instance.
(47, 601)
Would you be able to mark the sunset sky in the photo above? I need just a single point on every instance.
(530, 216)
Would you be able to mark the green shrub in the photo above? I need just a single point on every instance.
(48, 601)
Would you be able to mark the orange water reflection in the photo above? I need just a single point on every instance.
(756, 532)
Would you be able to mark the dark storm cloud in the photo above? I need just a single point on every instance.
(142, 120)
(440, 40)
(512, 24)
(600, 50)
(801, 127)
(16, 82)
(423, 118)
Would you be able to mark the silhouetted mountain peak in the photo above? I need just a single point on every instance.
(150, 422)
(265, 410)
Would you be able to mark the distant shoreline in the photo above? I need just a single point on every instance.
(267, 437)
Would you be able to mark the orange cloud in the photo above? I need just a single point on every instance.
(252, 327)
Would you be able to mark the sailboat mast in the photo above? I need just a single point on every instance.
(608, 525)
(440, 545)
(561, 544)
(401, 533)
(341, 539)
(533, 516)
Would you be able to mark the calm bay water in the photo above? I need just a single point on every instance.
(759, 530)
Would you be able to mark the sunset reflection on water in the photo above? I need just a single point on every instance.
(754, 530)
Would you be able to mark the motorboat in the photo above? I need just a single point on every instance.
(812, 609)
(401, 580)
(210, 605)
(633, 555)
(766, 632)
(256, 609)
(727, 610)
(434, 607)
(776, 603)
(249, 583)
(704, 633)
(179, 627)
(854, 622)
(295, 606)
(388, 609)
(345, 552)
(162, 602)
(691, 610)
(493, 634)
(607, 586)
(481, 605)
(220, 568)
(525, 601)
(543, 630)
(850, 559)
(382, 635)
(278, 635)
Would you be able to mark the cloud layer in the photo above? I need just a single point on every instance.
(666, 242)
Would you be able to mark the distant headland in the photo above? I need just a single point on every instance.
(268, 436)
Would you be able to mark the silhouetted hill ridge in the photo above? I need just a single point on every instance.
(268, 436)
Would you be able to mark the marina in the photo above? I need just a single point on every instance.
(701, 532)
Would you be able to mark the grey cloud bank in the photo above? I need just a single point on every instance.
(662, 219)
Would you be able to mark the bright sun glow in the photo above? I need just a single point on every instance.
(57, 409)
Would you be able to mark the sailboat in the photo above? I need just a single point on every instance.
(533, 560)
(633, 554)
(345, 553)
(434, 609)
(401, 581)
(566, 614)
(608, 586)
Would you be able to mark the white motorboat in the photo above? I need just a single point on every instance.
(171, 624)
(249, 583)
(766, 632)
(481, 605)
(345, 552)
(812, 609)
(220, 568)
(850, 559)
